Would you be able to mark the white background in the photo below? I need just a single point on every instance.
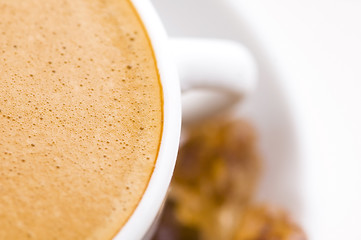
(316, 47)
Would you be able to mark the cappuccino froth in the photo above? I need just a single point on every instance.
(80, 117)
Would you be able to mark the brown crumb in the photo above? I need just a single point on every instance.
(268, 222)
(211, 194)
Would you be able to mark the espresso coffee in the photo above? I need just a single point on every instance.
(80, 117)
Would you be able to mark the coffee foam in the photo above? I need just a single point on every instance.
(80, 117)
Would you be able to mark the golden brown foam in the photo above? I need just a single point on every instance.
(80, 117)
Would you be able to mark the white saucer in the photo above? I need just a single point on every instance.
(307, 107)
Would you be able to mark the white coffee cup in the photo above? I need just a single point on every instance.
(184, 64)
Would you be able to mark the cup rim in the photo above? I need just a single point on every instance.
(148, 208)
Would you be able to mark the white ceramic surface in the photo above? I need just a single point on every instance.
(220, 67)
(307, 108)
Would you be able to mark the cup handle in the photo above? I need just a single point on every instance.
(223, 66)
